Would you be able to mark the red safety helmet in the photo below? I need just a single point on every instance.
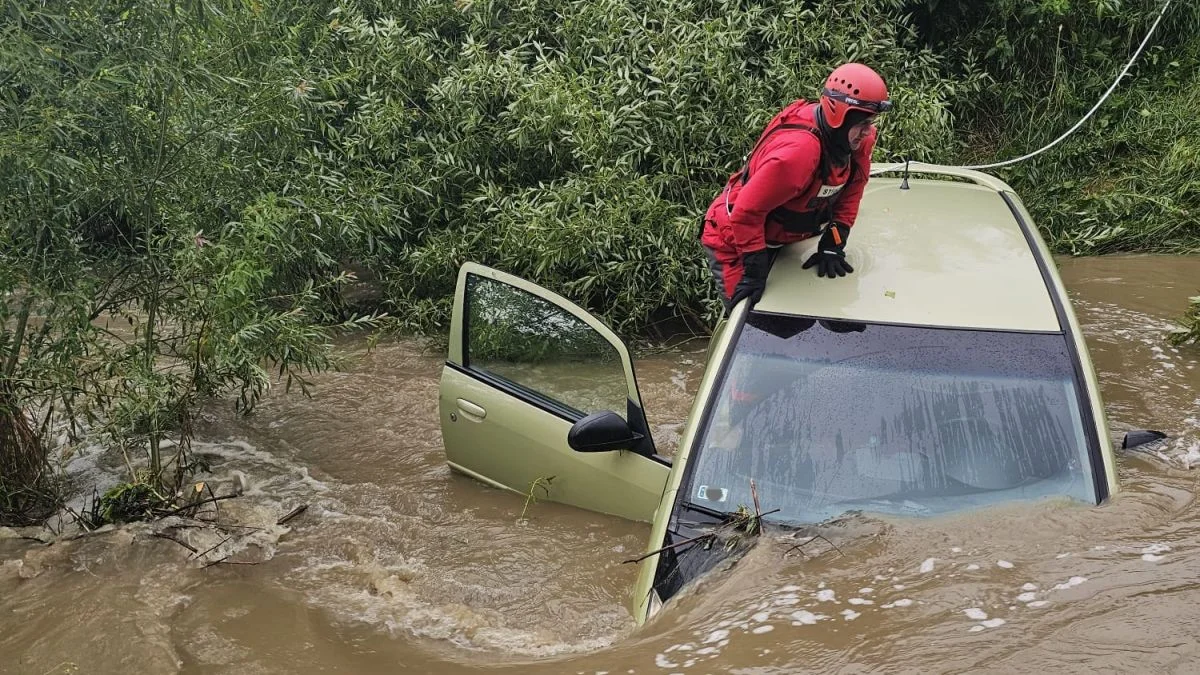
(853, 86)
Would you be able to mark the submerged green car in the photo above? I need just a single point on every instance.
(947, 373)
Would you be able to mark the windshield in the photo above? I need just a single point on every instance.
(827, 417)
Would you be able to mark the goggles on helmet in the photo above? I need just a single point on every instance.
(875, 107)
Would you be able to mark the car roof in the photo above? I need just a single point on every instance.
(941, 253)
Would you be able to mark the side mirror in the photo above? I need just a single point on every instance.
(1140, 437)
(601, 432)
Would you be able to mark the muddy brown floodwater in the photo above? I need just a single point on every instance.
(400, 566)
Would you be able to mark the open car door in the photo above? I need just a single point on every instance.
(526, 369)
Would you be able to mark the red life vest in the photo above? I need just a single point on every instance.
(809, 201)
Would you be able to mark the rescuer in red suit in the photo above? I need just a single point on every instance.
(804, 177)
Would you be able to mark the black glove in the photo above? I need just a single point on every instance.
(830, 257)
(755, 267)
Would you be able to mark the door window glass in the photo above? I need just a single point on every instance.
(541, 349)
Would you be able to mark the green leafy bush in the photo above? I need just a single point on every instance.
(1189, 332)
(183, 184)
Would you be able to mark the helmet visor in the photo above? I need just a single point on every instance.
(875, 107)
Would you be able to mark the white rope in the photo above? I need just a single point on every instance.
(1091, 112)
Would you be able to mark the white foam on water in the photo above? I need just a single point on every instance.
(927, 566)
(765, 628)
(972, 567)
(975, 613)
(802, 617)
(850, 614)
(826, 595)
(1070, 583)
(786, 601)
(866, 591)
(716, 636)
(902, 602)
(790, 589)
(1150, 557)
(899, 587)
(993, 623)
(1191, 457)
(680, 380)
(1038, 603)
(955, 549)
(1060, 556)
(1029, 587)
(1156, 548)
(1005, 564)
(975, 629)
(1027, 597)
(760, 617)
(859, 601)
(662, 661)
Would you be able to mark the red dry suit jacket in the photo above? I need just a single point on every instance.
(786, 198)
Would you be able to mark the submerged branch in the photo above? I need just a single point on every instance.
(747, 524)
(292, 514)
(213, 547)
(810, 540)
(227, 561)
(194, 505)
(163, 535)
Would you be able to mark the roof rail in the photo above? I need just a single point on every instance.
(977, 177)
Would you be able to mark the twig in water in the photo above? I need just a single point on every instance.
(225, 527)
(542, 482)
(810, 540)
(292, 514)
(181, 509)
(835, 547)
(216, 507)
(227, 561)
(733, 523)
(214, 547)
(163, 535)
(668, 547)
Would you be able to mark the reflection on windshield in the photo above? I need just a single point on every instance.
(828, 417)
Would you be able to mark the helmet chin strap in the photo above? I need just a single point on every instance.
(835, 140)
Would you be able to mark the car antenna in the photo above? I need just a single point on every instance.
(904, 183)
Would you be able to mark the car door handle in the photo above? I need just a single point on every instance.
(471, 410)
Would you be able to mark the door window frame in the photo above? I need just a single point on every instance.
(458, 357)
